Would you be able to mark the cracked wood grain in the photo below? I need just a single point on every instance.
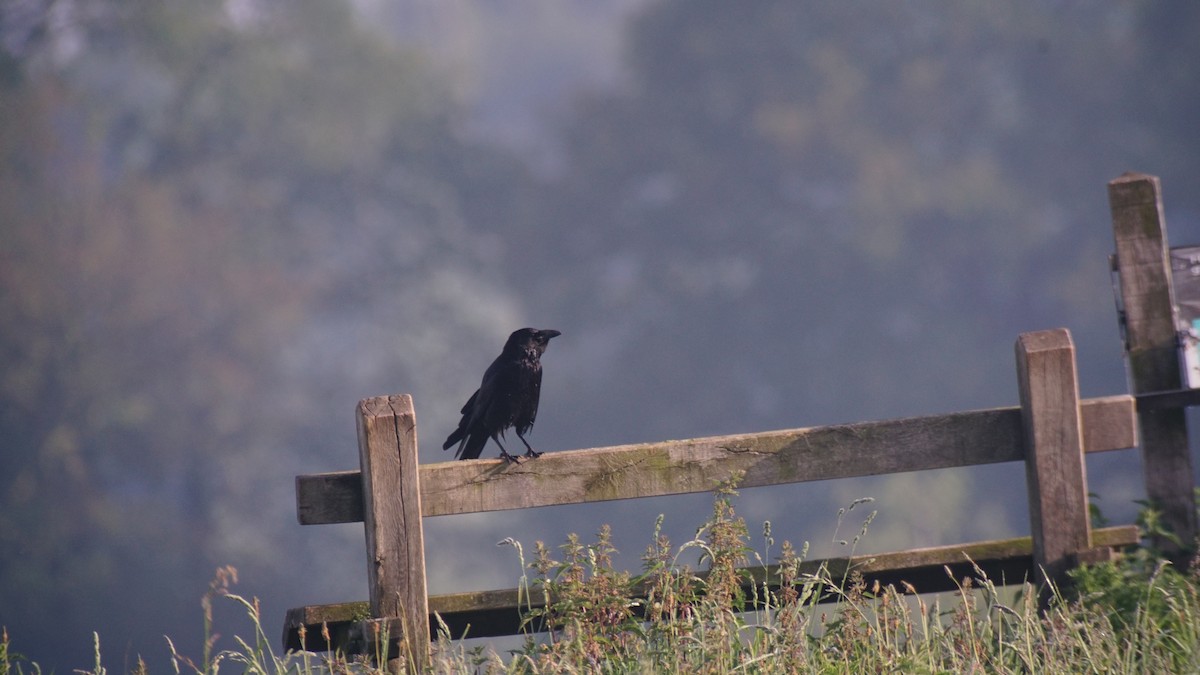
(391, 498)
(1054, 466)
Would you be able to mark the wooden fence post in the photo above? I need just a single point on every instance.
(1054, 467)
(1144, 268)
(387, 445)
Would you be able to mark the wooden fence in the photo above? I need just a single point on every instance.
(1050, 431)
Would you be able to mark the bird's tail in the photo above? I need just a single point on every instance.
(472, 447)
(454, 438)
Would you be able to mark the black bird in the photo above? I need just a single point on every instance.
(507, 397)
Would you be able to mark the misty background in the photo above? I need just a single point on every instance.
(223, 223)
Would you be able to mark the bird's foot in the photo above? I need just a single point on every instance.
(509, 458)
(532, 454)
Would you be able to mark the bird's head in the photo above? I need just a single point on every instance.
(534, 339)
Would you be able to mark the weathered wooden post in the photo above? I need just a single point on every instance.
(387, 446)
(1144, 269)
(1054, 466)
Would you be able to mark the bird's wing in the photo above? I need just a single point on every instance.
(491, 396)
(536, 396)
(470, 403)
(526, 416)
(463, 424)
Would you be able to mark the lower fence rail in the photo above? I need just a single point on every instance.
(499, 612)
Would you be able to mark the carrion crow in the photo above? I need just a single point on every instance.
(507, 397)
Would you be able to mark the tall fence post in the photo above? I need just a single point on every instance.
(387, 445)
(1054, 466)
(1144, 269)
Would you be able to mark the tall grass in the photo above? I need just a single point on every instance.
(583, 615)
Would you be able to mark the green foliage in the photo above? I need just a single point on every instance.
(1152, 526)
(1143, 597)
(1136, 614)
(1147, 604)
(12, 663)
(1126, 615)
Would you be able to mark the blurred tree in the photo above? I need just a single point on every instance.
(188, 193)
(779, 168)
(224, 221)
(807, 213)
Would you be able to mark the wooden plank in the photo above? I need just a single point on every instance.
(339, 493)
(387, 441)
(1054, 466)
(697, 465)
(1175, 398)
(1143, 264)
(1109, 423)
(325, 627)
(672, 467)
(494, 613)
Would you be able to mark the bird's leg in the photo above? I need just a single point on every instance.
(504, 453)
(529, 451)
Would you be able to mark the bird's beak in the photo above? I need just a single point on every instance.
(551, 334)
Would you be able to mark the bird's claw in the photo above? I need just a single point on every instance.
(533, 454)
(512, 459)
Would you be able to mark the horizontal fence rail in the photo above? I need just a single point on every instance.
(697, 465)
